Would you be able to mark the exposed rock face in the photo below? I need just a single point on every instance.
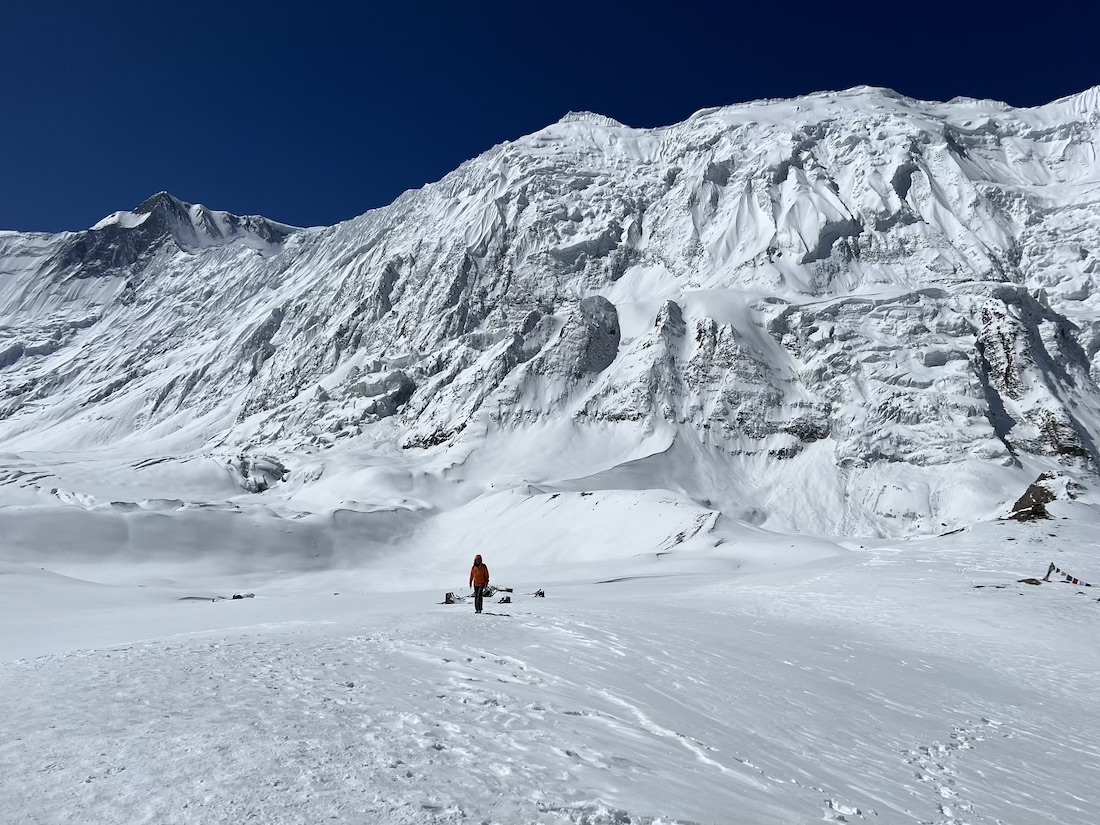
(1031, 506)
(895, 283)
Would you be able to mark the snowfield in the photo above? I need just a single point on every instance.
(738, 677)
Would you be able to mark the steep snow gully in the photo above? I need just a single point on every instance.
(750, 397)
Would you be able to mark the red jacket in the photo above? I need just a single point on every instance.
(479, 576)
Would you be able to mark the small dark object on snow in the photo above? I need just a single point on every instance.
(505, 600)
(1030, 581)
(244, 595)
(540, 594)
(449, 598)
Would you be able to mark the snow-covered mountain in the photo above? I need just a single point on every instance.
(851, 312)
(695, 393)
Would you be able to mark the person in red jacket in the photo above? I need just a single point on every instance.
(479, 581)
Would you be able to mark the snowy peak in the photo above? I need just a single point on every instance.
(591, 117)
(194, 227)
(191, 227)
(164, 204)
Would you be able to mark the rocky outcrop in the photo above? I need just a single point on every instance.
(1031, 506)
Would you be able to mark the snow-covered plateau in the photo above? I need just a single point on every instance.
(752, 398)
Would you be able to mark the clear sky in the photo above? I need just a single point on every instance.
(314, 112)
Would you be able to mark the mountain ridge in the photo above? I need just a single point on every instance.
(851, 278)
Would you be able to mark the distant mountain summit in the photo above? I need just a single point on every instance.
(828, 313)
(589, 117)
(191, 227)
(123, 239)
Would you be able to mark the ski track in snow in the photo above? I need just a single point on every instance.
(412, 731)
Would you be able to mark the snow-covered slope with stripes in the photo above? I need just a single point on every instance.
(851, 312)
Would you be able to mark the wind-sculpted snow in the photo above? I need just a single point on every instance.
(868, 287)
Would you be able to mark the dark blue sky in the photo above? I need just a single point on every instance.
(312, 113)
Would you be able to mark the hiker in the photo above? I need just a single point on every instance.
(479, 581)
